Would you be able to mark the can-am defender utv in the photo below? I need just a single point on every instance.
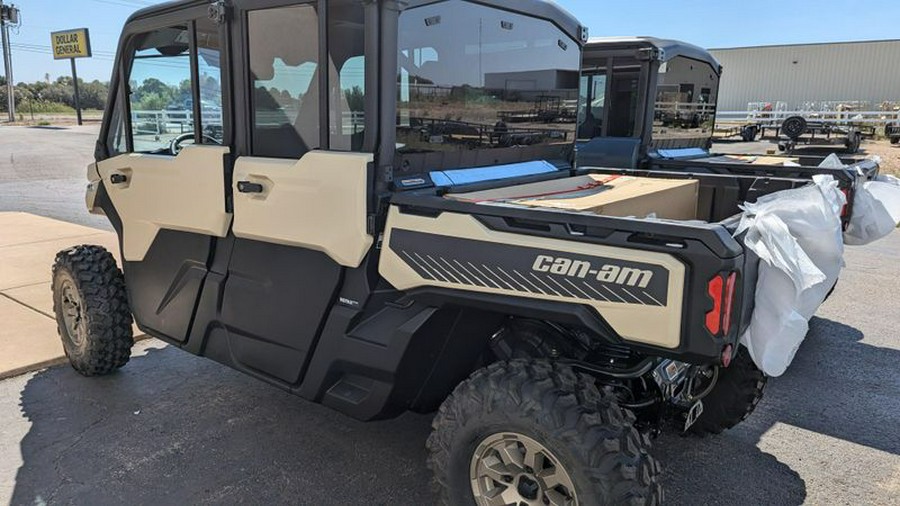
(281, 176)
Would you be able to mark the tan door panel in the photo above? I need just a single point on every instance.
(317, 202)
(184, 193)
(444, 252)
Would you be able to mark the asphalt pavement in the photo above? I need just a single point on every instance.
(170, 428)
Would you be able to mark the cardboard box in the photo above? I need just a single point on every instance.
(754, 159)
(622, 196)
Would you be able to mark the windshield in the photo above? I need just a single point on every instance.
(474, 77)
(686, 95)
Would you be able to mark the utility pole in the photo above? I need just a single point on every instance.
(9, 15)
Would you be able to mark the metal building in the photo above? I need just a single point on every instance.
(797, 74)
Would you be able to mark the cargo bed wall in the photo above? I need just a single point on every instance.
(638, 293)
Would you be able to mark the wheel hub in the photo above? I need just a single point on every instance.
(513, 469)
(72, 313)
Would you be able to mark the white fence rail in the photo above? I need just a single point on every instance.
(774, 118)
(158, 122)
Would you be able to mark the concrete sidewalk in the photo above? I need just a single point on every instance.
(28, 245)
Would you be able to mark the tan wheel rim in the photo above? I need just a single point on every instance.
(510, 469)
(72, 307)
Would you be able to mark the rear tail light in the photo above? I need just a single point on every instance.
(721, 290)
(714, 317)
(729, 301)
(846, 208)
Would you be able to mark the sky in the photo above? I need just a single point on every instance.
(707, 23)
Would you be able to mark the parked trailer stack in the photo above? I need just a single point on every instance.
(826, 123)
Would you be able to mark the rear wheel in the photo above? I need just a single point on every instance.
(91, 307)
(735, 395)
(534, 433)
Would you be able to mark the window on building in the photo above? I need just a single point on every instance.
(284, 67)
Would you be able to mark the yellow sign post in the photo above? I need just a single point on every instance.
(71, 44)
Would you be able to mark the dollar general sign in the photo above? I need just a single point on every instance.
(71, 44)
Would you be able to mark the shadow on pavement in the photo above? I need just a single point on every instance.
(172, 428)
(840, 387)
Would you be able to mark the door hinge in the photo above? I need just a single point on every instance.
(651, 54)
(217, 12)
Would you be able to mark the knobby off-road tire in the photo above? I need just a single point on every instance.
(733, 398)
(91, 307)
(535, 404)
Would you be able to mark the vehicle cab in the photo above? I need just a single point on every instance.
(251, 149)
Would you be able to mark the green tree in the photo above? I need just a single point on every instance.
(356, 99)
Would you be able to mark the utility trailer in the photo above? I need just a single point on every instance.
(811, 131)
(333, 262)
(622, 79)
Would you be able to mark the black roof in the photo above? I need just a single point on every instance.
(164, 7)
(668, 48)
(545, 9)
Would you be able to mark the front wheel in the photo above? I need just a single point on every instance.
(91, 307)
(534, 433)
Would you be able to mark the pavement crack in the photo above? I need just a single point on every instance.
(19, 302)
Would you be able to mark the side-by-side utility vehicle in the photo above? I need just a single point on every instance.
(651, 108)
(296, 215)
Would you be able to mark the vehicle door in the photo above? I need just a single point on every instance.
(162, 163)
(301, 181)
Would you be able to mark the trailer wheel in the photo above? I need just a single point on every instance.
(92, 314)
(794, 127)
(854, 140)
(749, 133)
(533, 432)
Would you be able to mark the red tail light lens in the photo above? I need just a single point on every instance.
(729, 301)
(846, 207)
(714, 317)
(721, 291)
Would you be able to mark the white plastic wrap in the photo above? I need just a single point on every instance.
(797, 236)
(876, 211)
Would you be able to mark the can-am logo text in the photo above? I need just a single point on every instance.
(581, 269)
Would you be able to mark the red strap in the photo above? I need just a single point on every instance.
(587, 186)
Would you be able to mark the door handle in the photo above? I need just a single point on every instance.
(248, 187)
(118, 178)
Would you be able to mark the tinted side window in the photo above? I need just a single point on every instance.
(116, 138)
(284, 68)
(160, 86)
(347, 72)
(163, 91)
(209, 77)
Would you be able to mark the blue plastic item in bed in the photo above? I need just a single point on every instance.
(468, 176)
